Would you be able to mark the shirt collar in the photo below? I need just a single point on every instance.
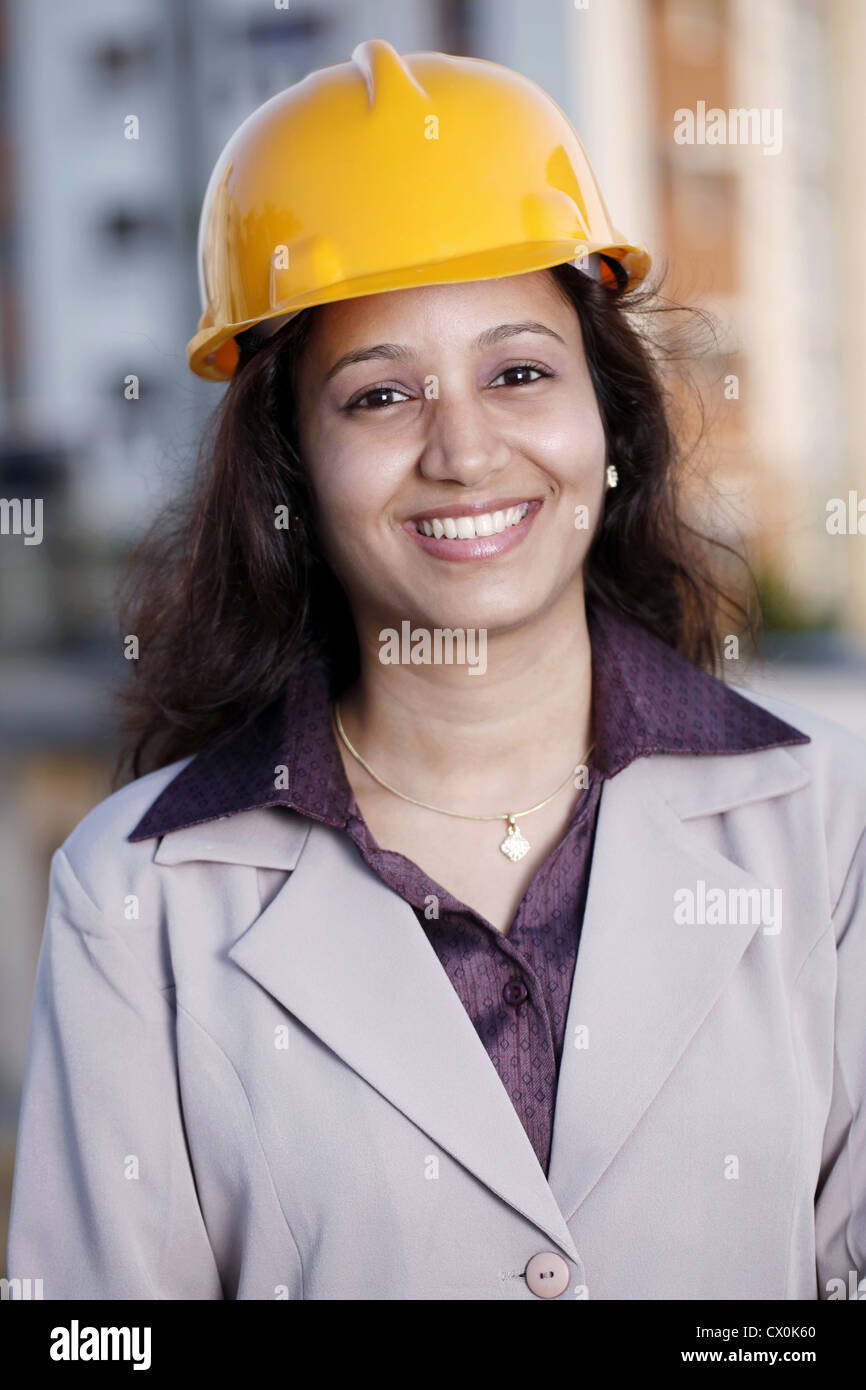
(646, 699)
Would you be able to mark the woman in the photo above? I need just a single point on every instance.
(465, 937)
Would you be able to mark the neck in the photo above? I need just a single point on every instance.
(478, 742)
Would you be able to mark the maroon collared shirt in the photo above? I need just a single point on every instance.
(645, 698)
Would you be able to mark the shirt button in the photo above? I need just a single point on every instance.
(547, 1274)
(515, 992)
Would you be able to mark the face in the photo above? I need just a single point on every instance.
(452, 437)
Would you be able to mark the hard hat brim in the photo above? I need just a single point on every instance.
(213, 352)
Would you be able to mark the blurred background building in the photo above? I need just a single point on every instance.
(98, 221)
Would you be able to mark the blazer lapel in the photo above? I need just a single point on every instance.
(644, 984)
(264, 839)
(348, 957)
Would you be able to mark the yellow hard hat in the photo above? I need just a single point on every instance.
(387, 172)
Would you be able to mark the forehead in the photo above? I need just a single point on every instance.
(440, 313)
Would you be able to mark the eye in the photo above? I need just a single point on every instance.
(357, 401)
(524, 367)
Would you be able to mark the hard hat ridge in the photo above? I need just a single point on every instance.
(386, 74)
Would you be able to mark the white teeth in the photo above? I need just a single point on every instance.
(466, 528)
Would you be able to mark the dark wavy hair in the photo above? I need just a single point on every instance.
(226, 605)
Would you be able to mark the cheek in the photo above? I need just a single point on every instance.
(571, 446)
(353, 484)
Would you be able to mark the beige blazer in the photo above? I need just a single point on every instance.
(250, 1078)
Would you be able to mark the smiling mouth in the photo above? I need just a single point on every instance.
(468, 528)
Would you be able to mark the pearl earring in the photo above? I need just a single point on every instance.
(611, 476)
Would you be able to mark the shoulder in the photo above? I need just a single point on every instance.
(834, 761)
(98, 851)
(833, 751)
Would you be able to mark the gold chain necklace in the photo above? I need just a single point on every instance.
(514, 846)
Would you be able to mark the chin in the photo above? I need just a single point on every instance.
(493, 614)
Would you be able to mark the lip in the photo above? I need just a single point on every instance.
(482, 547)
(499, 504)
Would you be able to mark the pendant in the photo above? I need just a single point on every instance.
(515, 844)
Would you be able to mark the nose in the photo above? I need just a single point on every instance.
(460, 445)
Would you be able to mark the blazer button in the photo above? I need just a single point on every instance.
(547, 1274)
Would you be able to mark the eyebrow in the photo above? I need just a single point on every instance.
(398, 352)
